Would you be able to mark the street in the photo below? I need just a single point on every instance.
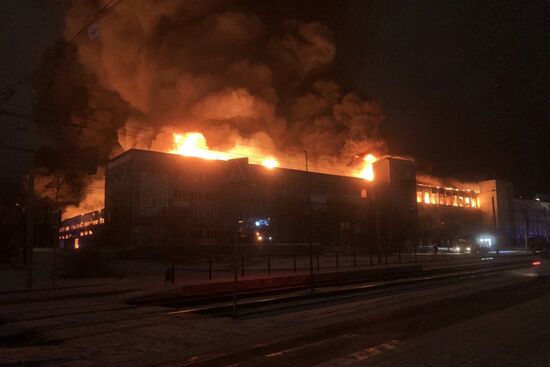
(495, 318)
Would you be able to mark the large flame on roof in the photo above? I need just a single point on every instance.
(193, 144)
(368, 172)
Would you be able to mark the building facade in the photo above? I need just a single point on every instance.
(154, 198)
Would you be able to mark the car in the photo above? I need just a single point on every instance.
(541, 264)
(462, 245)
(479, 250)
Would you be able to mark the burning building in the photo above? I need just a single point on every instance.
(83, 230)
(164, 76)
(154, 198)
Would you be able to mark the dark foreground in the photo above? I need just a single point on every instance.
(492, 319)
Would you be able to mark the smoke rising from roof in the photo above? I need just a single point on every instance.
(154, 67)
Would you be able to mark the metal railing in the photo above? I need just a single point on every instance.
(210, 268)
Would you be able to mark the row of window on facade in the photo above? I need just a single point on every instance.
(81, 234)
(180, 194)
(198, 234)
(82, 224)
(429, 195)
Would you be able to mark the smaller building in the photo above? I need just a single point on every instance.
(531, 222)
(82, 231)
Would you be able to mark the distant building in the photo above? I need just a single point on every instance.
(531, 221)
(82, 231)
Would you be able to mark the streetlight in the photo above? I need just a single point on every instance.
(310, 232)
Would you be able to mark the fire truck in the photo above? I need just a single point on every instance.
(255, 231)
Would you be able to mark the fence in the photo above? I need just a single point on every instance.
(223, 267)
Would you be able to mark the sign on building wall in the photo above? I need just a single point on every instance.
(237, 171)
(153, 196)
(318, 202)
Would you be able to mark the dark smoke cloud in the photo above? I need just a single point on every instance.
(163, 66)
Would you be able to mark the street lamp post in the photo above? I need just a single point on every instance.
(310, 231)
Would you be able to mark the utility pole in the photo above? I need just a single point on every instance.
(377, 223)
(525, 231)
(310, 219)
(30, 222)
(495, 221)
(55, 227)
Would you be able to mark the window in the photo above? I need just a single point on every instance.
(461, 199)
(433, 196)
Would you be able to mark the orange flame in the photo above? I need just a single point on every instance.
(367, 172)
(193, 144)
(270, 163)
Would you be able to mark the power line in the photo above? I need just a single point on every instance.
(172, 143)
(8, 91)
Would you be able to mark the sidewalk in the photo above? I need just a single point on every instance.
(133, 286)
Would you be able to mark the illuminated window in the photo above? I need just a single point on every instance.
(363, 193)
(426, 197)
(467, 201)
(76, 245)
(433, 197)
(455, 199)
(419, 196)
(448, 198)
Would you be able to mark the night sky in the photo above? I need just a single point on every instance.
(463, 84)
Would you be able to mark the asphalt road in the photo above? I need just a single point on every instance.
(496, 320)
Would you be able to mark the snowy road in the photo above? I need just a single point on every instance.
(477, 320)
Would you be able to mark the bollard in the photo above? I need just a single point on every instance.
(169, 276)
(318, 266)
(294, 257)
(209, 268)
(268, 264)
(337, 262)
(173, 269)
(354, 260)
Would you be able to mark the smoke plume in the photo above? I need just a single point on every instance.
(155, 67)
